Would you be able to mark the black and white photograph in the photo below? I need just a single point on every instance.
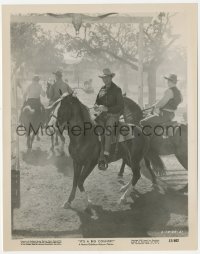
(101, 137)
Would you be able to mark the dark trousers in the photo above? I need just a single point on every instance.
(35, 104)
(108, 121)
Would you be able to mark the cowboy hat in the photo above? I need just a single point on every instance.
(58, 73)
(107, 73)
(172, 77)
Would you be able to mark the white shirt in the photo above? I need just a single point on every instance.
(34, 90)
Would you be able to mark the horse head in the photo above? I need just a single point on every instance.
(65, 109)
(72, 108)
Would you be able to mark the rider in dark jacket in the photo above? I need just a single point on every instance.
(110, 102)
(53, 92)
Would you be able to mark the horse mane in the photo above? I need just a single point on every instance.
(85, 114)
(132, 111)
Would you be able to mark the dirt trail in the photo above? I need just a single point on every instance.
(46, 184)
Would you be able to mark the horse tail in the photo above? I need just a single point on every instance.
(156, 162)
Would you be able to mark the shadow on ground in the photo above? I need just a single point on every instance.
(150, 212)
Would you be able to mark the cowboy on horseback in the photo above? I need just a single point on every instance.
(53, 92)
(166, 107)
(32, 96)
(110, 103)
(32, 111)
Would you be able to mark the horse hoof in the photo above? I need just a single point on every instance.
(89, 203)
(94, 215)
(159, 189)
(122, 201)
(66, 205)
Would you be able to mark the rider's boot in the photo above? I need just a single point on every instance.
(103, 158)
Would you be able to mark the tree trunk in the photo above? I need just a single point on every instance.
(152, 84)
(124, 75)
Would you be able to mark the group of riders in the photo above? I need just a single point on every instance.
(109, 102)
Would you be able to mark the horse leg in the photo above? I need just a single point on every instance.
(28, 143)
(134, 163)
(136, 177)
(125, 187)
(77, 172)
(87, 169)
(135, 167)
(62, 143)
(56, 143)
(38, 138)
(156, 185)
(52, 144)
(51, 151)
(130, 186)
(121, 172)
(148, 166)
(31, 140)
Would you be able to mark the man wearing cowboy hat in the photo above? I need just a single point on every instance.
(54, 91)
(167, 106)
(32, 95)
(110, 102)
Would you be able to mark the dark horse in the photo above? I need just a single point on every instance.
(35, 120)
(85, 147)
(176, 144)
(32, 120)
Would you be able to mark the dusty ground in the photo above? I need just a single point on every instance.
(46, 184)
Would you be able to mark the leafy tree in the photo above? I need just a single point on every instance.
(158, 40)
(111, 43)
(33, 49)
